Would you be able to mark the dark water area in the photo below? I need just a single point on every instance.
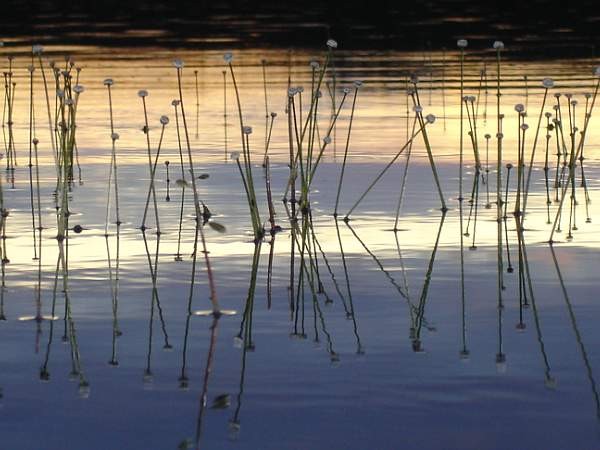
(531, 30)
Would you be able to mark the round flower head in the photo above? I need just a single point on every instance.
(498, 45)
(300, 89)
(555, 107)
(519, 108)
(175, 102)
(164, 120)
(319, 94)
(332, 43)
(273, 114)
(60, 93)
(143, 93)
(499, 135)
(30, 68)
(358, 83)
(487, 136)
(178, 63)
(524, 127)
(462, 43)
(410, 91)
(430, 118)
(114, 136)
(78, 88)
(414, 78)
(597, 71)
(465, 98)
(314, 64)
(557, 95)
(472, 98)
(418, 109)
(37, 49)
(548, 115)
(108, 82)
(247, 130)
(35, 141)
(69, 102)
(548, 83)
(569, 96)
(228, 57)
(292, 91)
(587, 95)
(509, 166)
(234, 156)
(574, 102)
(327, 139)
(346, 91)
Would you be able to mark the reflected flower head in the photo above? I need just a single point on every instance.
(331, 43)
(462, 43)
(37, 49)
(498, 45)
(78, 89)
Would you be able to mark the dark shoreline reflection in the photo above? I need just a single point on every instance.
(379, 24)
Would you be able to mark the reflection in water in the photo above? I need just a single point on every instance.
(154, 304)
(573, 320)
(324, 255)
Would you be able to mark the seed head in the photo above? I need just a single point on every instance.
(332, 43)
(548, 83)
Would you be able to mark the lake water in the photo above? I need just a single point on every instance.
(391, 353)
